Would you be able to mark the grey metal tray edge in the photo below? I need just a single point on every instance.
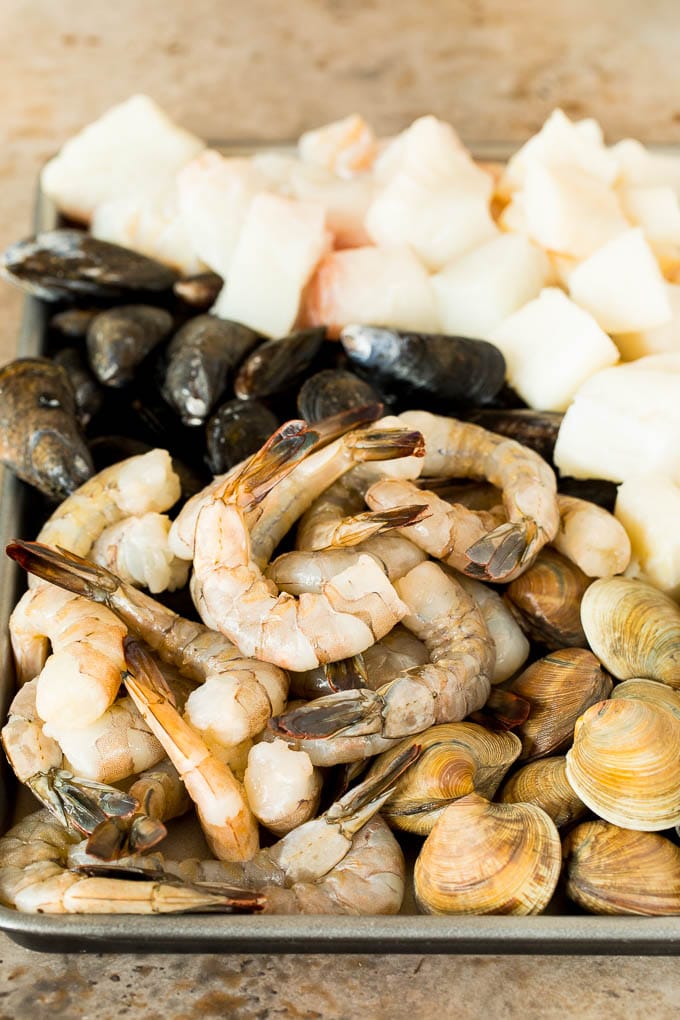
(542, 935)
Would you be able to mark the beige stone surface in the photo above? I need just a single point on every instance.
(267, 70)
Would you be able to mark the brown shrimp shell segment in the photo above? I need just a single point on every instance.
(633, 628)
(456, 759)
(544, 783)
(618, 871)
(483, 858)
(624, 764)
(559, 688)
(546, 600)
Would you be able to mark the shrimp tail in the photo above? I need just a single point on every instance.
(363, 526)
(64, 569)
(337, 425)
(386, 444)
(173, 895)
(353, 712)
(346, 674)
(364, 800)
(291, 442)
(113, 838)
(499, 552)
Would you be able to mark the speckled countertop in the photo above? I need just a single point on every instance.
(262, 69)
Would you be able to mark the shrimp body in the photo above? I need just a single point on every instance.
(137, 550)
(457, 449)
(80, 679)
(34, 878)
(350, 725)
(227, 822)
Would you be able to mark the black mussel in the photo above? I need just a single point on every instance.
(277, 365)
(86, 389)
(595, 490)
(447, 367)
(39, 436)
(200, 356)
(333, 390)
(199, 291)
(67, 264)
(120, 338)
(236, 430)
(73, 322)
(535, 429)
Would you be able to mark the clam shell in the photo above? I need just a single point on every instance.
(624, 764)
(617, 871)
(634, 629)
(545, 600)
(483, 858)
(456, 759)
(651, 691)
(559, 688)
(544, 783)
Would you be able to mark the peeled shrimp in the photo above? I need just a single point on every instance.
(512, 647)
(80, 679)
(139, 485)
(248, 691)
(355, 608)
(282, 786)
(114, 747)
(226, 819)
(35, 879)
(462, 450)
(350, 725)
(591, 537)
(137, 550)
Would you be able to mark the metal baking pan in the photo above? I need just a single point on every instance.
(563, 930)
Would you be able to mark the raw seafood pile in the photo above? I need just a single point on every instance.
(384, 619)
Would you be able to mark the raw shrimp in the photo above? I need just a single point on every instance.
(462, 450)
(35, 879)
(512, 647)
(115, 746)
(282, 786)
(136, 549)
(249, 691)
(226, 819)
(591, 537)
(139, 485)
(350, 725)
(355, 608)
(80, 679)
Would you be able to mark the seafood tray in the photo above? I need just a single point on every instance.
(562, 930)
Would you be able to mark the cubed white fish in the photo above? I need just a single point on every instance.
(657, 340)
(648, 506)
(346, 147)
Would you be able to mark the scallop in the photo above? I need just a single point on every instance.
(624, 763)
(618, 871)
(559, 688)
(545, 600)
(544, 783)
(456, 759)
(483, 858)
(634, 629)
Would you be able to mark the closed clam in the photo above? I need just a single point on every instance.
(68, 264)
(545, 600)
(634, 629)
(544, 783)
(651, 691)
(559, 688)
(618, 871)
(333, 390)
(483, 858)
(624, 763)
(456, 759)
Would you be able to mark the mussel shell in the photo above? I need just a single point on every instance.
(277, 365)
(546, 600)
(200, 291)
(331, 391)
(200, 356)
(483, 858)
(611, 870)
(535, 429)
(39, 436)
(624, 764)
(68, 264)
(456, 759)
(634, 629)
(544, 783)
(86, 389)
(119, 339)
(449, 367)
(73, 322)
(236, 430)
(559, 688)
